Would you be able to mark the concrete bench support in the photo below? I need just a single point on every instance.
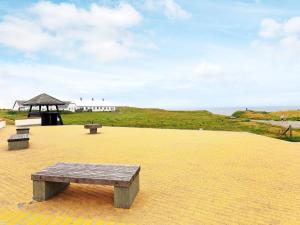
(124, 196)
(43, 190)
(16, 145)
(93, 131)
(18, 141)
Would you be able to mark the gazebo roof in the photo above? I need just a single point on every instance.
(44, 99)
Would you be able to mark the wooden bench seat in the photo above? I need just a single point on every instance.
(54, 179)
(18, 141)
(22, 130)
(93, 127)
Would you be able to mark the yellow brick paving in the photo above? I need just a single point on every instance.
(187, 177)
(21, 217)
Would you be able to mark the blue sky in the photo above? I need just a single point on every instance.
(152, 53)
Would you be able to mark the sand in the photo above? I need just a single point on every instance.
(187, 177)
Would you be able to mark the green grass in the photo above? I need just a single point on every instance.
(291, 139)
(158, 118)
(262, 115)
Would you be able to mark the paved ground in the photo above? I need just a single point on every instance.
(23, 217)
(294, 124)
(187, 177)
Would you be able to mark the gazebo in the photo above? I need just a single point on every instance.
(45, 103)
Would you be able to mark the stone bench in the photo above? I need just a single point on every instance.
(22, 130)
(93, 127)
(54, 179)
(18, 141)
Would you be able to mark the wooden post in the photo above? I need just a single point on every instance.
(291, 132)
(60, 119)
(29, 111)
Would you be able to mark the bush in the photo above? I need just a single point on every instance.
(11, 112)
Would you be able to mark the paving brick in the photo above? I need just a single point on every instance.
(187, 177)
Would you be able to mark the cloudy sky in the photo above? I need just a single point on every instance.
(152, 53)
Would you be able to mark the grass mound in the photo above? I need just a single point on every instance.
(262, 115)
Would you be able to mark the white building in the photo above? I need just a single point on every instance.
(73, 106)
(18, 106)
(94, 105)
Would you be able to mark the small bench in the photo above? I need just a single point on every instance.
(93, 127)
(54, 179)
(18, 141)
(22, 130)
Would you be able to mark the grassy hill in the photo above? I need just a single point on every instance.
(261, 115)
(158, 118)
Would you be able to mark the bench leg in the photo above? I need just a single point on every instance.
(43, 190)
(16, 145)
(124, 196)
(93, 131)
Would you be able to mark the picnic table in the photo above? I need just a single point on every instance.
(93, 127)
(18, 141)
(54, 179)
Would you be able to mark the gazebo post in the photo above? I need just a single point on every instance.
(29, 112)
(59, 116)
(47, 108)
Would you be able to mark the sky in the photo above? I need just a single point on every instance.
(178, 54)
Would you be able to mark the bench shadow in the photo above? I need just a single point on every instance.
(93, 134)
(84, 196)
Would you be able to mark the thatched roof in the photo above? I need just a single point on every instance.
(20, 102)
(44, 99)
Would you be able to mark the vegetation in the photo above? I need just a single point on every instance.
(158, 118)
(261, 115)
(291, 139)
(10, 116)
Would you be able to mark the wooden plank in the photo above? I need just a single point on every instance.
(92, 125)
(18, 137)
(116, 175)
(22, 128)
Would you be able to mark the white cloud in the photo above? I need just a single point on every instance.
(23, 35)
(207, 68)
(170, 8)
(292, 26)
(68, 31)
(22, 80)
(270, 28)
(280, 36)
